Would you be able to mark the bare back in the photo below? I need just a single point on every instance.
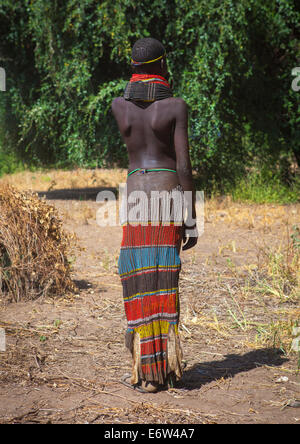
(157, 137)
(150, 136)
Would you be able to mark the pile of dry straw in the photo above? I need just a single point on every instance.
(34, 249)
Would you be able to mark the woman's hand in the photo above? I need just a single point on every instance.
(190, 237)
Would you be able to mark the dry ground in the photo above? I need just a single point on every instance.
(64, 357)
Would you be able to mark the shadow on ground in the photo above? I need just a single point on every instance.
(206, 372)
(82, 284)
(76, 193)
(86, 285)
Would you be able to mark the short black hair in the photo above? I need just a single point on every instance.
(147, 49)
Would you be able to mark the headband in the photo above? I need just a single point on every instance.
(149, 61)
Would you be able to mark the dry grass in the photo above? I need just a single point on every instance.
(34, 249)
(258, 301)
(237, 297)
(259, 216)
(219, 208)
(60, 179)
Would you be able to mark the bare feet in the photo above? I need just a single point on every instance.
(143, 386)
(149, 386)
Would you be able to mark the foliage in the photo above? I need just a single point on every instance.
(231, 61)
(262, 186)
(9, 163)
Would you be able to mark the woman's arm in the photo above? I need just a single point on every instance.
(184, 167)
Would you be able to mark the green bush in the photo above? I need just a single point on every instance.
(231, 61)
(264, 187)
(8, 163)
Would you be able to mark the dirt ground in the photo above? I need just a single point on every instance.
(65, 357)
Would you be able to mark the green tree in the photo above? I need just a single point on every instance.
(231, 61)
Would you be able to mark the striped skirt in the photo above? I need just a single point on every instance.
(149, 267)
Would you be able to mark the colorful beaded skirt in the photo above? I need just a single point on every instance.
(149, 267)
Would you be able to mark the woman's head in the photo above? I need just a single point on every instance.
(148, 56)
